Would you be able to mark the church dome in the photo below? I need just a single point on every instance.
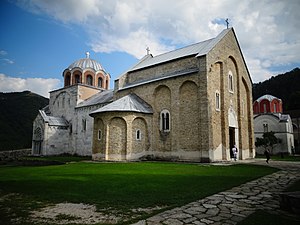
(86, 63)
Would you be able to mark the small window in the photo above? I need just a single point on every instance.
(77, 79)
(265, 107)
(230, 81)
(100, 81)
(265, 127)
(89, 80)
(99, 135)
(217, 101)
(165, 121)
(84, 124)
(138, 135)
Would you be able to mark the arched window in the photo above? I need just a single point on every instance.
(77, 79)
(100, 81)
(89, 80)
(38, 134)
(230, 81)
(83, 124)
(67, 80)
(165, 121)
(138, 135)
(99, 135)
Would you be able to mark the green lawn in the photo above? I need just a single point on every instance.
(120, 186)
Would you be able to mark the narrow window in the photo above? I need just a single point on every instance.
(100, 81)
(265, 127)
(165, 120)
(77, 79)
(230, 81)
(84, 124)
(265, 108)
(275, 108)
(99, 135)
(217, 101)
(89, 80)
(138, 135)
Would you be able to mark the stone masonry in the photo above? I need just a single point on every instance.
(234, 205)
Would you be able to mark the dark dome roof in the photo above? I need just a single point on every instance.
(86, 63)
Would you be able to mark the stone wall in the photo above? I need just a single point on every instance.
(14, 154)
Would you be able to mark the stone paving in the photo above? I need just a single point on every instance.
(234, 205)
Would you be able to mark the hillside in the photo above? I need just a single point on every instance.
(17, 112)
(284, 86)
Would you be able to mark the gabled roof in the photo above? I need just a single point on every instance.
(99, 98)
(128, 103)
(198, 49)
(53, 120)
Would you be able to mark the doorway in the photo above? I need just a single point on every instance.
(231, 140)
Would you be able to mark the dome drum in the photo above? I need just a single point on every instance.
(86, 71)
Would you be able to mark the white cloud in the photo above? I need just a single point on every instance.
(37, 85)
(2, 52)
(267, 29)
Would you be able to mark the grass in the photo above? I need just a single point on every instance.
(117, 186)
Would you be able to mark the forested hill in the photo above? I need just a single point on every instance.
(17, 112)
(284, 86)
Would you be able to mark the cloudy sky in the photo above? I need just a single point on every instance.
(40, 38)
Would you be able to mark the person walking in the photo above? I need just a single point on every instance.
(267, 154)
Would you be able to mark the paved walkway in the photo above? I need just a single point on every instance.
(234, 205)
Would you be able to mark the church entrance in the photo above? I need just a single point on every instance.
(37, 147)
(231, 140)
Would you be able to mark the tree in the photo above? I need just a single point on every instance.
(268, 141)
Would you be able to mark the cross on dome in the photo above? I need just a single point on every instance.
(87, 55)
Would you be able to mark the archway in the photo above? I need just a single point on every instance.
(233, 130)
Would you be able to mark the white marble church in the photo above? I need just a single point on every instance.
(64, 126)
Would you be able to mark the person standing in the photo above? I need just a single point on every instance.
(235, 152)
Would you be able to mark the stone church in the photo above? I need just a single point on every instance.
(190, 104)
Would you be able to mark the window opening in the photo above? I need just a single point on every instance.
(230, 81)
(165, 120)
(89, 80)
(99, 135)
(100, 81)
(217, 101)
(138, 135)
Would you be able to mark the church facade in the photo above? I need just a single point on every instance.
(190, 104)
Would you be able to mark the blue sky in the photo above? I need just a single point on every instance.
(40, 38)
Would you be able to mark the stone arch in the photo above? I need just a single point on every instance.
(117, 139)
(248, 127)
(77, 77)
(99, 141)
(162, 101)
(100, 80)
(67, 79)
(139, 126)
(188, 116)
(233, 68)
